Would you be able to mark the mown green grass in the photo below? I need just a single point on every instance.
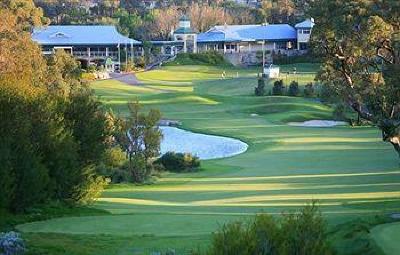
(387, 237)
(350, 171)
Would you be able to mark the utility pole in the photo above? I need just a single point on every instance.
(126, 56)
(119, 56)
(263, 57)
(263, 51)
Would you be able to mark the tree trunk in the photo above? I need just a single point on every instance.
(397, 148)
(391, 133)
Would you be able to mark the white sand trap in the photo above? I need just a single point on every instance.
(318, 123)
(203, 146)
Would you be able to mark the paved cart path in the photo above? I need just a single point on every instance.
(128, 78)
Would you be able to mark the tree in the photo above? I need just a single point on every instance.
(260, 89)
(63, 73)
(203, 17)
(293, 89)
(140, 137)
(361, 44)
(278, 11)
(309, 90)
(165, 21)
(53, 130)
(279, 88)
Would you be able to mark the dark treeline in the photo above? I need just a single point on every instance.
(156, 21)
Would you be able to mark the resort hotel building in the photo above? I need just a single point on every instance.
(89, 44)
(240, 43)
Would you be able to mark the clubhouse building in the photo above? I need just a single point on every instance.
(102, 45)
(105, 45)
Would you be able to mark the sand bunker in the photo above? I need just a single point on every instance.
(318, 123)
(203, 146)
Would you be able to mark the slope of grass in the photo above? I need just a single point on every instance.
(349, 170)
(387, 237)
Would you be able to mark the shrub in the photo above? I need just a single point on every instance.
(11, 243)
(114, 166)
(128, 68)
(309, 90)
(260, 89)
(88, 76)
(278, 89)
(114, 157)
(302, 233)
(234, 238)
(91, 68)
(121, 175)
(281, 59)
(206, 58)
(293, 89)
(179, 162)
(140, 62)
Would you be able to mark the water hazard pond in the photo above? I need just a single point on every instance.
(201, 145)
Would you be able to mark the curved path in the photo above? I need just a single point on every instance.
(128, 78)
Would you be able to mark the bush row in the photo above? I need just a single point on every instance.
(281, 59)
(179, 162)
(116, 166)
(279, 89)
(206, 58)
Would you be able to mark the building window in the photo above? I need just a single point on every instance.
(305, 31)
(230, 47)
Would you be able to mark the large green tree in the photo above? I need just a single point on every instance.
(360, 40)
(53, 130)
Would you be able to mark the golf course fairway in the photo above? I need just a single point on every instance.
(350, 171)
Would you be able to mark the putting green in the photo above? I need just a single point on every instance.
(387, 236)
(350, 171)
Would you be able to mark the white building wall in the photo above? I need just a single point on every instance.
(301, 37)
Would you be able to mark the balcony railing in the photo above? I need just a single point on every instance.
(102, 54)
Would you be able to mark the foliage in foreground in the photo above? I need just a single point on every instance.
(53, 130)
(302, 233)
(179, 162)
(11, 243)
(360, 42)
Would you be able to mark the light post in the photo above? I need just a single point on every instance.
(263, 56)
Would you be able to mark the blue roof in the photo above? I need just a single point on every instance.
(80, 35)
(234, 33)
(308, 23)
